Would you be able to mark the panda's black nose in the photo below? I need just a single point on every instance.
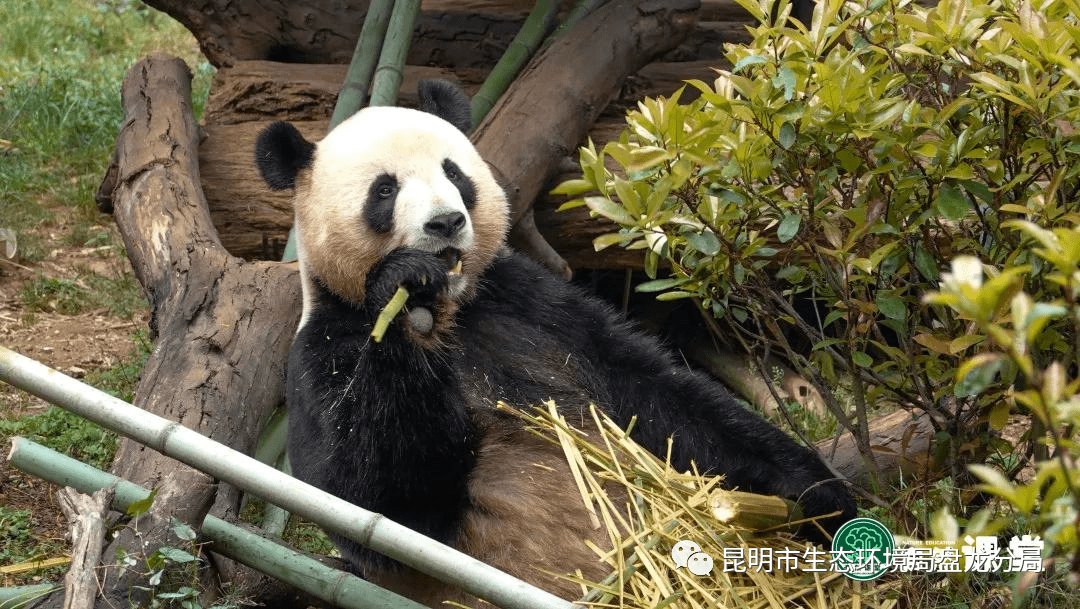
(445, 225)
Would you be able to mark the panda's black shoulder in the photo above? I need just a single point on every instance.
(523, 297)
(517, 285)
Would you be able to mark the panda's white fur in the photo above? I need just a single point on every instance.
(408, 426)
(411, 145)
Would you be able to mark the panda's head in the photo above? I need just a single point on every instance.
(387, 178)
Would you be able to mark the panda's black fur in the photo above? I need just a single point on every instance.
(407, 427)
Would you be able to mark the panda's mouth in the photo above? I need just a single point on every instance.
(452, 257)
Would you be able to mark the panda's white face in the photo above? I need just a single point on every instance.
(392, 177)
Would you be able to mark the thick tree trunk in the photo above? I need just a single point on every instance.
(223, 326)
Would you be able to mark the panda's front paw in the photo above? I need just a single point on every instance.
(826, 497)
(423, 274)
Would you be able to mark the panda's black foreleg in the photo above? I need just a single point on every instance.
(721, 437)
(382, 425)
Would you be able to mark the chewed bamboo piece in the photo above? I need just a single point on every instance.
(389, 312)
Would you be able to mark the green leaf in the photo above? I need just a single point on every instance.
(675, 295)
(951, 201)
(786, 137)
(657, 285)
(573, 187)
(999, 415)
(749, 60)
(605, 241)
(862, 360)
(792, 274)
(175, 554)
(926, 264)
(978, 379)
(788, 228)
(609, 209)
(142, 506)
(182, 530)
(892, 307)
(849, 161)
(785, 79)
(704, 242)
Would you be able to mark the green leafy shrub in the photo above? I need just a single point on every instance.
(808, 198)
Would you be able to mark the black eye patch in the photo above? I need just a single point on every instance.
(461, 182)
(379, 208)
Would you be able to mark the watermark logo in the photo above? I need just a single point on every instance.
(688, 554)
(862, 549)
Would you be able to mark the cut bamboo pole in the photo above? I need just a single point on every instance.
(354, 91)
(367, 528)
(395, 48)
(331, 585)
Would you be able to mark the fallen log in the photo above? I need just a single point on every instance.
(469, 34)
(271, 90)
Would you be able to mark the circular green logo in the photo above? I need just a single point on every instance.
(862, 549)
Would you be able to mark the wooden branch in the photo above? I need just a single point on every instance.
(86, 517)
(551, 105)
(453, 34)
(223, 325)
(900, 442)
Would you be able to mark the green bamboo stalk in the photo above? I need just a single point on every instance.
(20, 596)
(270, 449)
(354, 90)
(388, 75)
(371, 530)
(338, 588)
(271, 443)
(521, 49)
(275, 519)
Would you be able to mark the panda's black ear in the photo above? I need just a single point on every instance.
(280, 152)
(445, 100)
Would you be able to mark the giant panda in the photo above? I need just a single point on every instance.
(408, 426)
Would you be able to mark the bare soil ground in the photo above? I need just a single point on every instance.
(77, 344)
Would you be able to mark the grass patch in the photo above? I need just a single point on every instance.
(120, 294)
(119, 381)
(65, 433)
(73, 435)
(63, 64)
(19, 543)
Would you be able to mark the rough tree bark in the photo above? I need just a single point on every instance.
(222, 325)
